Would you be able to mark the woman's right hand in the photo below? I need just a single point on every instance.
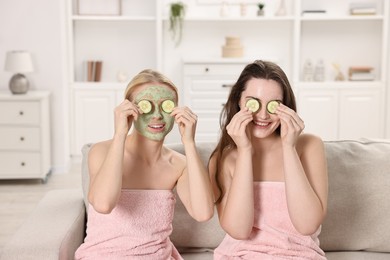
(237, 128)
(124, 114)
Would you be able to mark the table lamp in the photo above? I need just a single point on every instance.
(18, 62)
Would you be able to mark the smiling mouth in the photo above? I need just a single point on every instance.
(262, 124)
(157, 126)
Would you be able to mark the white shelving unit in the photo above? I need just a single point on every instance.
(140, 38)
(126, 44)
(347, 109)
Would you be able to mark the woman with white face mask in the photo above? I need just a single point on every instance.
(132, 176)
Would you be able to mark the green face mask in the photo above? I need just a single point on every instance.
(156, 124)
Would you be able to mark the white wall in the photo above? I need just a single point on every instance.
(38, 26)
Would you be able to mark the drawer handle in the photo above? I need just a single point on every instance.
(206, 69)
(21, 113)
(22, 138)
(22, 163)
(227, 85)
(223, 104)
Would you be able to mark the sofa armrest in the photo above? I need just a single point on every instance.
(54, 230)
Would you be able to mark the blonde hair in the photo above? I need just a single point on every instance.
(148, 76)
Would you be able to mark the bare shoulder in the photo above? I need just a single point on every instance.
(97, 154)
(228, 162)
(178, 160)
(99, 149)
(308, 143)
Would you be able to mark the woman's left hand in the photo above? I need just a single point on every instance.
(186, 121)
(291, 125)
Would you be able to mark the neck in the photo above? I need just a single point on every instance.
(144, 148)
(266, 144)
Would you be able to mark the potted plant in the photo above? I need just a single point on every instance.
(260, 12)
(176, 17)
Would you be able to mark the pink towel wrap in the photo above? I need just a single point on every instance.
(137, 228)
(273, 235)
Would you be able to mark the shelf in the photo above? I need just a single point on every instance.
(339, 84)
(237, 19)
(99, 85)
(112, 18)
(330, 18)
(219, 60)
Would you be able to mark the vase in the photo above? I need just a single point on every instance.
(282, 8)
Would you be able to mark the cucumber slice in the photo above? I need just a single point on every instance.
(253, 105)
(145, 106)
(168, 106)
(272, 105)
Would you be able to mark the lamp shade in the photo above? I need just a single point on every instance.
(18, 61)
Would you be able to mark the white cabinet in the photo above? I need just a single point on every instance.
(343, 113)
(361, 113)
(25, 135)
(126, 44)
(320, 112)
(207, 86)
(94, 115)
(343, 109)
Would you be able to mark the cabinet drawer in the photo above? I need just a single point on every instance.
(20, 138)
(207, 104)
(232, 70)
(19, 113)
(210, 85)
(207, 123)
(16, 163)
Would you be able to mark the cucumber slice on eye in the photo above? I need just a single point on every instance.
(253, 105)
(145, 106)
(272, 105)
(168, 106)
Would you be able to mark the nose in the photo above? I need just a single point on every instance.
(157, 111)
(263, 113)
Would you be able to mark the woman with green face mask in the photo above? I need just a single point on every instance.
(132, 176)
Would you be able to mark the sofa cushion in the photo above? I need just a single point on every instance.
(357, 255)
(54, 230)
(187, 232)
(85, 173)
(359, 193)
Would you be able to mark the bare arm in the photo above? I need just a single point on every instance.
(305, 173)
(193, 187)
(106, 162)
(236, 210)
(306, 185)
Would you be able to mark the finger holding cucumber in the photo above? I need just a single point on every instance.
(291, 125)
(124, 114)
(237, 128)
(186, 120)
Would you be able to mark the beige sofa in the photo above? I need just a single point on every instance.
(357, 225)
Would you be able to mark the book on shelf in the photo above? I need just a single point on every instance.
(362, 8)
(364, 73)
(94, 71)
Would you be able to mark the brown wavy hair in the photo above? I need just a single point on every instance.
(260, 70)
